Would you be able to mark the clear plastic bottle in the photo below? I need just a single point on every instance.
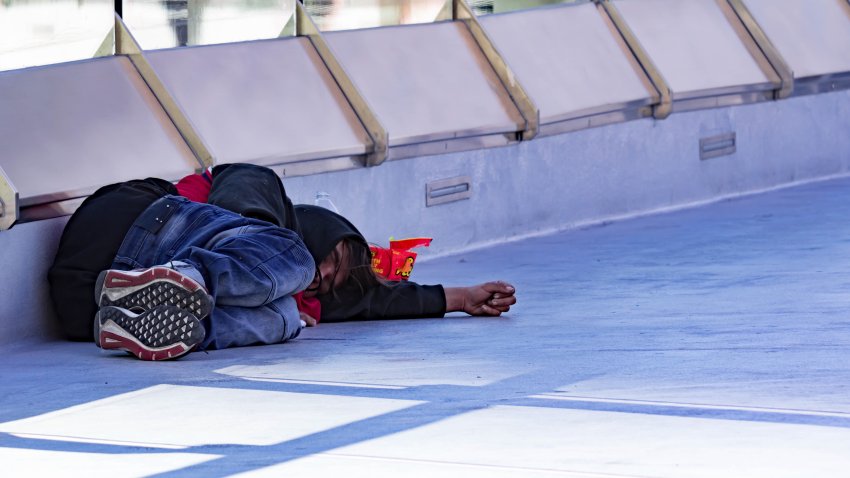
(323, 199)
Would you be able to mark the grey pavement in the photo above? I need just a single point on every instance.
(706, 342)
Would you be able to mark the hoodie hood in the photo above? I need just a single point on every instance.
(322, 229)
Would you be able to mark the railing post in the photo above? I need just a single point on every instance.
(462, 12)
(125, 44)
(764, 44)
(304, 27)
(665, 104)
(9, 207)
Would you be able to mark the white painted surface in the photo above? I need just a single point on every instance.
(26, 463)
(355, 466)
(167, 416)
(619, 444)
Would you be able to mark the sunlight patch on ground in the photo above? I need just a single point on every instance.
(21, 462)
(169, 416)
(376, 467)
(619, 444)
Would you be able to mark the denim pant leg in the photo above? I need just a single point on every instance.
(253, 295)
(250, 267)
(231, 326)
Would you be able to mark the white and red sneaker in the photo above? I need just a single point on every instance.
(144, 289)
(162, 333)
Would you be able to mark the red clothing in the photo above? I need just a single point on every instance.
(309, 305)
(196, 187)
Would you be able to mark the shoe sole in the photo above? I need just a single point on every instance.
(163, 333)
(145, 290)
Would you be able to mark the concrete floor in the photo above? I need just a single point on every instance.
(706, 342)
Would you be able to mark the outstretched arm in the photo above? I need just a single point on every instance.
(488, 299)
(409, 300)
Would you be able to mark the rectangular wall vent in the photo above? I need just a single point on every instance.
(448, 190)
(715, 146)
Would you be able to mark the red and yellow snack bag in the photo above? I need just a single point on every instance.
(396, 263)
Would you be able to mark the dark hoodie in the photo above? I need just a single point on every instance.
(252, 191)
(322, 230)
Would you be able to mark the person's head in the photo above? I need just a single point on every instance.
(348, 263)
(341, 253)
(331, 272)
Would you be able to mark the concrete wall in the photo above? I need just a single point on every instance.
(594, 175)
(534, 187)
(26, 251)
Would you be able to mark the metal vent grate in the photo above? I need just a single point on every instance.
(448, 190)
(715, 146)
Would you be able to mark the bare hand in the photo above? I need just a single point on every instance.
(488, 299)
(308, 319)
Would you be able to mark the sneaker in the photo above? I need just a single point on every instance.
(144, 289)
(162, 333)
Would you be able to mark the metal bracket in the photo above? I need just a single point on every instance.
(288, 29)
(305, 27)
(9, 203)
(665, 105)
(126, 44)
(786, 75)
(106, 46)
(461, 11)
(447, 12)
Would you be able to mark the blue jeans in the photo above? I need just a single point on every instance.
(250, 267)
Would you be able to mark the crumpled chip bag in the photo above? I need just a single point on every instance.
(396, 262)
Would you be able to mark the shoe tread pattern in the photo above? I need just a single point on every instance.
(159, 327)
(162, 292)
(150, 288)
